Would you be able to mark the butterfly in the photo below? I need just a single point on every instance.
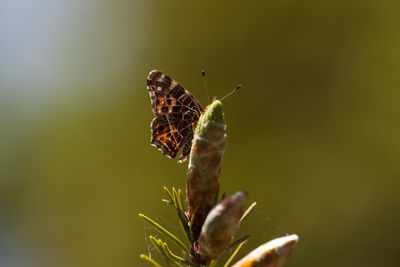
(177, 112)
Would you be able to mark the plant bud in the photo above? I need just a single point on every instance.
(208, 146)
(271, 254)
(220, 226)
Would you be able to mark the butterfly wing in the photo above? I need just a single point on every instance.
(177, 113)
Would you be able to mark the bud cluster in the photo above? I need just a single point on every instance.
(209, 224)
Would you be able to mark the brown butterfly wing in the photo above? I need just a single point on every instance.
(177, 113)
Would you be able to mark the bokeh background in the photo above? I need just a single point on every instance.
(313, 135)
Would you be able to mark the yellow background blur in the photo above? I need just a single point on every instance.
(313, 135)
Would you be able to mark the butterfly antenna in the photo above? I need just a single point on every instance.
(203, 76)
(231, 92)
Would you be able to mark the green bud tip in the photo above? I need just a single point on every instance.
(213, 113)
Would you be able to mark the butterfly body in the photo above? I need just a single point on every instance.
(177, 112)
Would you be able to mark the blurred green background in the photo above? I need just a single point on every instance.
(313, 135)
